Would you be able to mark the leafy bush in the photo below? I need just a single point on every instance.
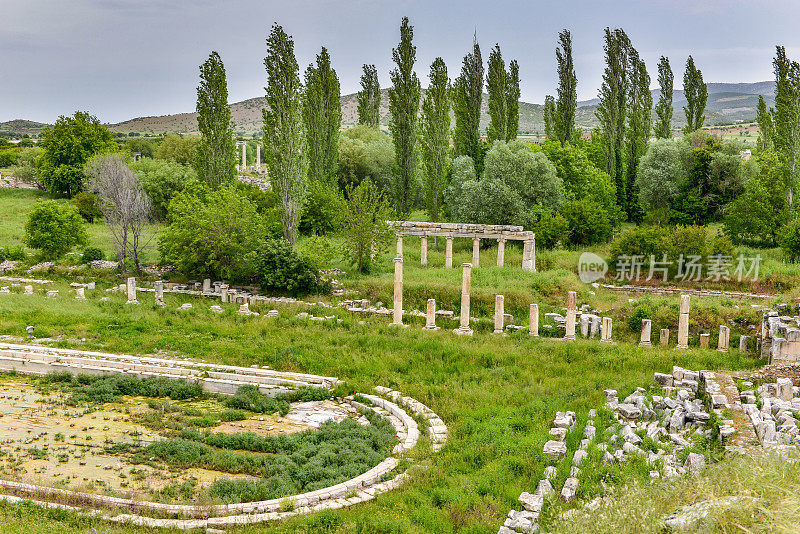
(588, 222)
(249, 398)
(283, 270)
(320, 251)
(790, 240)
(324, 209)
(109, 388)
(87, 205)
(12, 253)
(91, 254)
(643, 240)
(162, 180)
(54, 228)
(551, 227)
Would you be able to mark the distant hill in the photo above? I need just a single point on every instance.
(22, 126)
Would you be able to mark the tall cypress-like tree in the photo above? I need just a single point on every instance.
(215, 161)
(512, 101)
(283, 129)
(404, 107)
(435, 137)
(612, 109)
(467, 97)
(696, 93)
(550, 119)
(496, 89)
(766, 127)
(369, 98)
(322, 116)
(567, 89)
(787, 114)
(640, 102)
(663, 127)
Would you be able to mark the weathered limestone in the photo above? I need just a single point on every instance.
(131, 287)
(704, 340)
(529, 255)
(223, 293)
(159, 292)
(585, 321)
(499, 312)
(572, 307)
(397, 313)
(244, 155)
(448, 252)
(28, 290)
(80, 293)
(605, 332)
(594, 326)
(644, 339)
(206, 285)
(664, 337)
(724, 338)
(743, 343)
(533, 320)
(258, 157)
(683, 323)
(430, 316)
(399, 246)
(423, 251)
(466, 288)
(476, 252)
(501, 252)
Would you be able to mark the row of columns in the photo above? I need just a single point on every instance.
(528, 252)
(243, 166)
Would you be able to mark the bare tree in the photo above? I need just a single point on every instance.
(125, 205)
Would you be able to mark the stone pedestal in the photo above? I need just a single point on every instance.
(423, 251)
(743, 343)
(206, 285)
(605, 332)
(501, 252)
(594, 326)
(499, 312)
(704, 340)
(585, 320)
(430, 316)
(131, 287)
(80, 293)
(466, 288)
(399, 246)
(223, 293)
(159, 291)
(724, 338)
(644, 339)
(572, 307)
(683, 323)
(533, 320)
(28, 290)
(448, 253)
(476, 252)
(664, 337)
(397, 313)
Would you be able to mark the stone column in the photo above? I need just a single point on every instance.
(664, 337)
(430, 316)
(476, 252)
(724, 338)
(644, 340)
(743, 343)
(704, 340)
(159, 292)
(399, 246)
(499, 312)
(594, 326)
(258, 157)
(80, 293)
(397, 314)
(532, 255)
(501, 252)
(448, 252)
(585, 319)
(223, 293)
(605, 334)
(206, 285)
(131, 286)
(423, 250)
(533, 320)
(572, 306)
(683, 323)
(244, 155)
(466, 287)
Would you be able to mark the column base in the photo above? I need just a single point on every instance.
(645, 344)
(499, 332)
(463, 331)
(608, 341)
(432, 328)
(533, 335)
(403, 325)
(132, 302)
(682, 347)
(722, 350)
(569, 338)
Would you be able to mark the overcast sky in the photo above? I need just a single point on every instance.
(121, 59)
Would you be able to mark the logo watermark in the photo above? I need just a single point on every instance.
(591, 267)
(684, 268)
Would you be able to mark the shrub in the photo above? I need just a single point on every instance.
(91, 254)
(162, 180)
(87, 205)
(641, 240)
(367, 232)
(588, 222)
(324, 209)
(281, 269)
(790, 240)
(54, 228)
(321, 251)
(12, 253)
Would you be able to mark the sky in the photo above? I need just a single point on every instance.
(120, 59)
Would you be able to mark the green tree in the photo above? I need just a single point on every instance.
(790, 240)
(367, 232)
(162, 180)
(215, 161)
(766, 127)
(567, 89)
(283, 129)
(659, 174)
(529, 174)
(435, 137)
(365, 153)
(67, 146)
(512, 100)
(404, 108)
(496, 88)
(787, 114)
(588, 222)
(369, 98)
(640, 103)
(322, 116)
(550, 118)
(663, 127)
(178, 149)
(696, 93)
(54, 228)
(467, 98)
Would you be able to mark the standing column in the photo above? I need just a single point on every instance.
(743, 343)
(258, 157)
(533, 321)
(644, 340)
(423, 250)
(399, 246)
(526, 249)
(466, 287)
(664, 337)
(605, 335)
(501, 252)
(131, 287)
(206, 285)
(572, 306)
(532, 255)
(585, 320)
(430, 317)
(448, 252)
(244, 155)
(704, 340)
(159, 292)
(683, 323)
(223, 293)
(476, 252)
(724, 338)
(499, 312)
(398, 292)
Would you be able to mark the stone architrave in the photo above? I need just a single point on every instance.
(207, 285)
(704, 340)
(430, 316)
(397, 313)
(533, 320)
(448, 252)
(605, 333)
(466, 287)
(399, 246)
(476, 252)
(501, 252)
(131, 287)
(159, 292)
(572, 307)
(664, 337)
(644, 339)
(683, 323)
(423, 250)
(499, 311)
(724, 338)
(743, 343)
(80, 293)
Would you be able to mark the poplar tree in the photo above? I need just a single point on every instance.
(663, 127)
(611, 111)
(696, 93)
(567, 89)
(403, 107)
(496, 89)
(512, 101)
(550, 119)
(640, 102)
(765, 124)
(215, 160)
(787, 114)
(435, 137)
(322, 116)
(283, 129)
(467, 97)
(369, 98)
